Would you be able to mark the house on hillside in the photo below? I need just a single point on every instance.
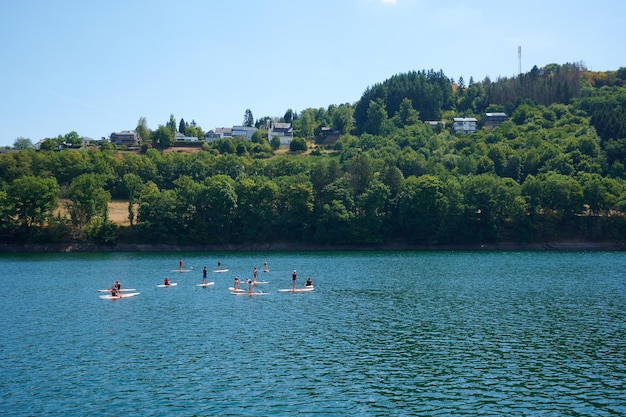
(125, 137)
(464, 124)
(492, 120)
(218, 133)
(330, 136)
(179, 137)
(244, 131)
(284, 131)
(435, 124)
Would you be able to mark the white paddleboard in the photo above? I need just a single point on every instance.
(233, 289)
(260, 282)
(247, 293)
(123, 289)
(115, 297)
(221, 270)
(205, 284)
(181, 270)
(305, 289)
(171, 284)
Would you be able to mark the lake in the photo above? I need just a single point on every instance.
(383, 333)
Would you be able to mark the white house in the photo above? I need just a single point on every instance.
(244, 131)
(284, 131)
(179, 137)
(464, 124)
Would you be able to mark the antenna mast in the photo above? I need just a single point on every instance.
(519, 60)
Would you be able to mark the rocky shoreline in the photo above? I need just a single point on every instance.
(278, 247)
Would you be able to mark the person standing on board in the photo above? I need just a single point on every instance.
(265, 268)
(180, 264)
(250, 283)
(236, 284)
(204, 271)
(118, 285)
(219, 265)
(254, 274)
(294, 277)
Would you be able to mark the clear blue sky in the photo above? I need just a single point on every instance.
(96, 67)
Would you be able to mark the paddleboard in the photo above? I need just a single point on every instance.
(260, 282)
(123, 289)
(221, 270)
(205, 284)
(233, 289)
(306, 289)
(181, 270)
(171, 284)
(115, 297)
(247, 293)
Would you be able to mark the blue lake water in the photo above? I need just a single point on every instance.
(384, 333)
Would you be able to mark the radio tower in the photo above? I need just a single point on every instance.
(519, 60)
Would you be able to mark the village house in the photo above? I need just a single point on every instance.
(244, 131)
(125, 137)
(179, 137)
(218, 133)
(284, 131)
(492, 120)
(464, 124)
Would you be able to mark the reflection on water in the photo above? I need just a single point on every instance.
(384, 333)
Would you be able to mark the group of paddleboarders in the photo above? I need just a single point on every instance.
(116, 288)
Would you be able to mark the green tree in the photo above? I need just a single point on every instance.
(88, 200)
(181, 126)
(376, 117)
(142, 130)
(34, 199)
(248, 119)
(298, 145)
(162, 137)
(72, 139)
(133, 185)
(275, 142)
(216, 205)
(171, 125)
(22, 143)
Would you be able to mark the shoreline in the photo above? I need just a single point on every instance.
(285, 247)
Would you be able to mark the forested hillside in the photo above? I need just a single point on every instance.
(554, 170)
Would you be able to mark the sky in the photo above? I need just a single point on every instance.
(97, 67)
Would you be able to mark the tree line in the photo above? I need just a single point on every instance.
(554, 170)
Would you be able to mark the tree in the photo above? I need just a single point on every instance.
(134, 185)
(275, 142)
(22, 143)
(162, 137)
(289, 116)
(34, 199)
(142, 129)
(376, 117)
(172, 125)
(298, 145)
(248, 119)
(88, 200)
(181, 126)
(72, 139)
